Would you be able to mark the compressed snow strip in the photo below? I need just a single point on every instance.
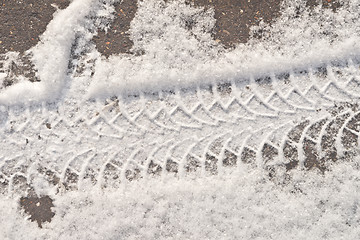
(51, 56)
(118, 75)
(174, 56)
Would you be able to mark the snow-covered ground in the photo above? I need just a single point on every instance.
(187, 139)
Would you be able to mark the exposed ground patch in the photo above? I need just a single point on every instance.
(38, 208)
(22, 22)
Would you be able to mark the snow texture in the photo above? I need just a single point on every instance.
(247, 206)
(187, 140)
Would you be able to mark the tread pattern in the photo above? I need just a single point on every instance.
(301, 119)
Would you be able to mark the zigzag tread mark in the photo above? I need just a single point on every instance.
(256, 123)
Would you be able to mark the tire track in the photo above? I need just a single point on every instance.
(267, 123)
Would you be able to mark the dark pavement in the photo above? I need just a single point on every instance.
(24, 21)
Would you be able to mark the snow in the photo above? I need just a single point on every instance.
(51, 56)
(175, 56)
(247, 205)
(243, 204)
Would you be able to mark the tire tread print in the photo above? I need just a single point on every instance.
(301, 119)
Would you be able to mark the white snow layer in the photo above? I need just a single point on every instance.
(175, 56)
(51, 55)
(245, 206)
